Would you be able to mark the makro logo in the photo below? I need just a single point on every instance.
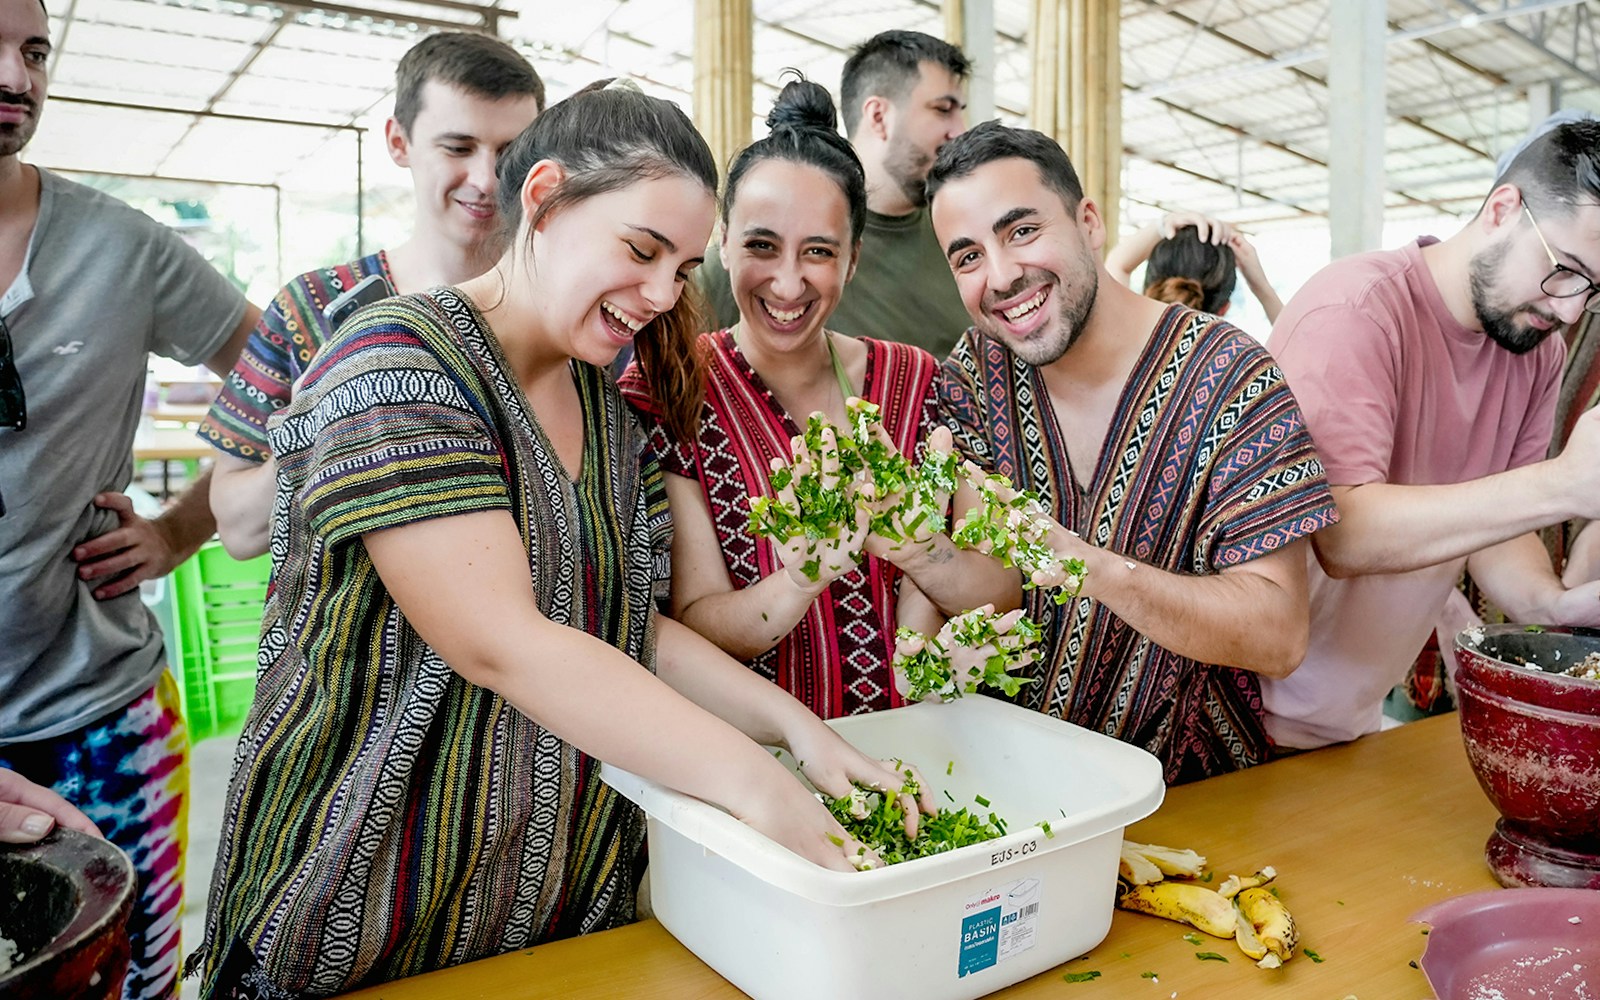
(985, 901)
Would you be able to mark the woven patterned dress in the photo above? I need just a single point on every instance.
(837, 659)
(386, 817)
(1207, 465)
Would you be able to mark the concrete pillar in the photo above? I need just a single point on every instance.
(723, 77)
(1543, 100)
(969, 25)
(1356, 120)
(1077, 92)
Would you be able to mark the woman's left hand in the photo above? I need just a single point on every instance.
(836, 768)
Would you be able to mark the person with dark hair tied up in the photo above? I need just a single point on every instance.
(902, 94)
(1193, 260)
(469, 544)
(792, 214)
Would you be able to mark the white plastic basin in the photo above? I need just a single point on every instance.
(956, 925)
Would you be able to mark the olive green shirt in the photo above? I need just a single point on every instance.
(902, 289)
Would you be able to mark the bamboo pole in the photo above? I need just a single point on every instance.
(723, 75)
(1077, 92)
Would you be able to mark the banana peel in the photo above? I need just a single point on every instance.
(1270, 920)
(1167, 860)
(1185, 902)
(1241, 908)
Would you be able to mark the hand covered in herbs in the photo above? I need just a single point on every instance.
(838, 770)
(973, 649)
(815, 517)
(842, 489)
(1015, 528)
(908, 503)
(874, 819)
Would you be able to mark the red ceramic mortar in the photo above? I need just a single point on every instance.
(1533, 738)
(65, 901)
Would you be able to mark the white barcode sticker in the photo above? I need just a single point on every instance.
(997, 924)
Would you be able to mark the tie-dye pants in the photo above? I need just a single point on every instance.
(129, 771)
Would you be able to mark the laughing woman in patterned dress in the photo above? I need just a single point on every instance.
(468, 544)
(792, 215)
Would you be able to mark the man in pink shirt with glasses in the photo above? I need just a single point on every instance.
(1428, 379)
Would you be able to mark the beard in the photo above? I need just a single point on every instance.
(1074, 304)
(908, 167)
(15, 135)
(1499, 323)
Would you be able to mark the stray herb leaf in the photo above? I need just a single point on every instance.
(1192, 938)
(1081, 977)
(950, 768)
(980, 800)
(1210, 956)
(1147, 975)
(1208, 876)
(1274, 890)
(1311, 954)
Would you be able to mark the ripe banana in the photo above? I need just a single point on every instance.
(1186, 903)
(1272, 925)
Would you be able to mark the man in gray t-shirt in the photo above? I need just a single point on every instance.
(88, 288)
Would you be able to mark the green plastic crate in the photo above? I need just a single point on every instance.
(217, 605)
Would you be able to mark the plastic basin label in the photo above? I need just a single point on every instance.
(997, 924)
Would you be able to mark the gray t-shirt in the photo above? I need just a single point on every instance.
(902, 289)
(102, 286)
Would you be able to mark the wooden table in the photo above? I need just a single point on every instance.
(1362, 835)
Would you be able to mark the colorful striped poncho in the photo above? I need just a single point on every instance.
(1207, 464)
(290, 332)
(386, 817)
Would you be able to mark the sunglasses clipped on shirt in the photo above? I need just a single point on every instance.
(13, 406)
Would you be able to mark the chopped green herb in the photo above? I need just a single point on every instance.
(882, 827)
(1311, 954)
(1208, 876)
(1081, 977)
(1341, 903)
(1063, 813)
(1126, 955)
(1274, 890)
(1425, 932)
(1210, 956)
(763, 616)
(1533, 628)
(1147, 975)
(950, 768)
(980, 800)
(1192, 938)
(1045, 826)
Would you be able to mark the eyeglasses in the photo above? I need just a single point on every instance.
(13, 406)
(1563, 282)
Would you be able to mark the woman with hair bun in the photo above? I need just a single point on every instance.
(793, 210)
(468, 545)
(1194, 261)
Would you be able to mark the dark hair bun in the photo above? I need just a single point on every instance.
(804, 104)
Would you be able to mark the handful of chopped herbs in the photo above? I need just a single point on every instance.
(1012, 527)
(838, 476)
(974, 649)
(877, 821)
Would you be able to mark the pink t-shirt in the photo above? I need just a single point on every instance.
(1394, 390)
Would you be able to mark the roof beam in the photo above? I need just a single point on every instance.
(1291, 60)
(488, 17)
(1197, 175)
(1533, 44)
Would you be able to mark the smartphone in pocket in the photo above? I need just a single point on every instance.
(372, 288)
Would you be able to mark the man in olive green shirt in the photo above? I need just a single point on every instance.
(903, 97)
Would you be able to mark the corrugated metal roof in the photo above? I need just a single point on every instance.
(1225, 101)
